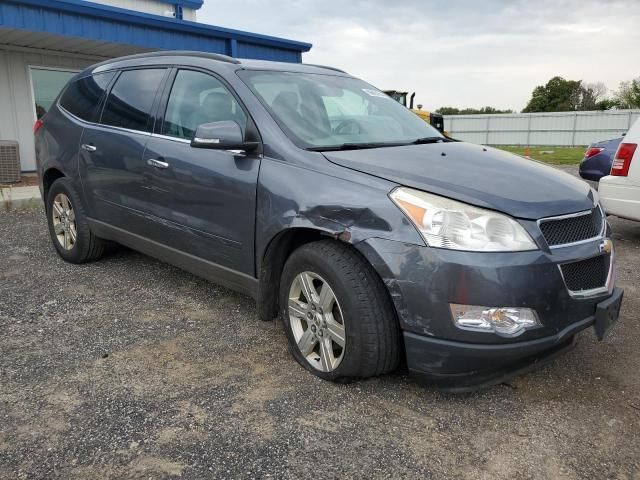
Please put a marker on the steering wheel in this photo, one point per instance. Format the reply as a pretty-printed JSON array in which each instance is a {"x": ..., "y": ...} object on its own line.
[{"x": 345, "y": 127}]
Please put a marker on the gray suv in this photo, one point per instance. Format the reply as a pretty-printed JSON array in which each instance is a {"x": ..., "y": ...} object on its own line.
[{"x": 376, "y": 239}]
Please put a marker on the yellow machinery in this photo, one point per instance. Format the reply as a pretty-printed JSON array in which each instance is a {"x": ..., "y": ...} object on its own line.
[{"x": 434, "y": 119}]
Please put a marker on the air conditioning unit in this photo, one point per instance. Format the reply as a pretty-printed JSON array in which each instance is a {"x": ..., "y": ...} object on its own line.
[{"x": 9, "y": 161}]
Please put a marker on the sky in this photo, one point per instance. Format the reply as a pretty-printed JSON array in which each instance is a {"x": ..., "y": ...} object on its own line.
[{"x": 459, "y": 53}]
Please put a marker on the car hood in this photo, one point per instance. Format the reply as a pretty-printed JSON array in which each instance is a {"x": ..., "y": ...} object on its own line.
[{"x": 481, "y": 176}]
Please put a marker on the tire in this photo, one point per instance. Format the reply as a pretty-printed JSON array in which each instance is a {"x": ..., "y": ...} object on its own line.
[
  {"x": 361, "y": 306},
  {"x": 85, "y": 247}
]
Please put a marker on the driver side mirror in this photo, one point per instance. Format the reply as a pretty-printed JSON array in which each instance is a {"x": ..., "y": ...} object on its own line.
[{"x": 225, "y": 135}]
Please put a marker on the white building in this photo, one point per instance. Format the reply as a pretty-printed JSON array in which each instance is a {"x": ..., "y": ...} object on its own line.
[{"x": 44, "y": 42}]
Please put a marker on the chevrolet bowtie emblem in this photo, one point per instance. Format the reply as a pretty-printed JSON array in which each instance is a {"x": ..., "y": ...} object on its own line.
[{"x": 606, "y": 246}]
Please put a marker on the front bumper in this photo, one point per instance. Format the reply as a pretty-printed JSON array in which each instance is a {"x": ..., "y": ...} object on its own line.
[
  {"x": 445, "y": 357},
  {"x": 424, "y": 281},
  {"x": 459, "y": 366},
  {"x": 472, "y": 380}
]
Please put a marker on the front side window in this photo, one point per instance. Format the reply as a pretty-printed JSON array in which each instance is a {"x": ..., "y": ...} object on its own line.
[
  {"x": 131, "y": 98},
  {"x": 197, "y": 98},
  {"x": 82, "y": 97},
  {"x": 326, "y": 111}
]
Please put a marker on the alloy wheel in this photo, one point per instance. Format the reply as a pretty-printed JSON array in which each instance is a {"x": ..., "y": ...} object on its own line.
[
  {"x": 316, "y": 321},
  {"x": 64, "y": 221}
]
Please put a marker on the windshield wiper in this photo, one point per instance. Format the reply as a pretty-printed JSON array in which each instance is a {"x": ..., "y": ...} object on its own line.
[
  {"x": 425, "y": 140},
  {"x": 353, "y": 146},
  {"x": 361, "y": 146}
]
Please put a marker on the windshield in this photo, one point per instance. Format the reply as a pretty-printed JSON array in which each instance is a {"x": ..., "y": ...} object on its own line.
[{"x": 328, "y": 111}]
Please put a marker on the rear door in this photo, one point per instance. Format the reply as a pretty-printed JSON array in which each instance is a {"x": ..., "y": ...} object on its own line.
[
  {"x": 111, "y": 165},
  {"x": 77, "y": 108},
  {"x": 204, "y": 199}
]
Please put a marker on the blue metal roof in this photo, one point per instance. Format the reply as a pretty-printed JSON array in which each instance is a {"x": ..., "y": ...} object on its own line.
[
  {"x": 195, "y": 4},
  {"x": 87, "y": 20}
]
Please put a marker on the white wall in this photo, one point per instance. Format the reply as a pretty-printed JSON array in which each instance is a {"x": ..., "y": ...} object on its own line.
[
  {"x": 556, "y": 128},
  {"x": 149, "y": 6},
  {"x": 17, "y": 114}
]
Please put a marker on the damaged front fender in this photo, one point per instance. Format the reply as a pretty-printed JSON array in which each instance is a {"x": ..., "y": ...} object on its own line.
[
  {"x": 351, "y": 207},
  {"x": 297, "y": 204}
]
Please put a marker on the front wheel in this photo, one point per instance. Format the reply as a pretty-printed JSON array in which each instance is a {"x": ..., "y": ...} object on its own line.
[{"x": 337, "y": 315}]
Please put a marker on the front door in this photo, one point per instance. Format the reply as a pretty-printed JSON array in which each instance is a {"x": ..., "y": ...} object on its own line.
[
  {"x": 111, "y": 164},
  {"x": 204, "y": 199}
]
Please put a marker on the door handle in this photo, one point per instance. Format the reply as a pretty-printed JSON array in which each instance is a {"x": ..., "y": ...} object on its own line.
[
  {"x": 88, "y": 148},
  {"x": 157, "y": 163}
]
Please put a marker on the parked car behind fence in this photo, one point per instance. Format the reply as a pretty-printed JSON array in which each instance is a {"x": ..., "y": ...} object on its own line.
[{"x": 598, "y": 159}]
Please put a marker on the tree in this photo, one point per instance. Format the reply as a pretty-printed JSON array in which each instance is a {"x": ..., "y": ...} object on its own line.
[
  {"x": 606, "y": 104},
  {"x": 448, "y": 111},
  {"x": 558, "y": 95},
  {"x": 628, "y": 94},
  {"x": 470, "y": 111},
  {"x": 593, "y": 96}
]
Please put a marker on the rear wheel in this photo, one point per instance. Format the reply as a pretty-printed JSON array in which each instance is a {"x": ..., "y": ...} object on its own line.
[
  {"x": 70, "y": 233},
  {"x": 64, "y": 221},
  {"x": 336, "y": 312}
]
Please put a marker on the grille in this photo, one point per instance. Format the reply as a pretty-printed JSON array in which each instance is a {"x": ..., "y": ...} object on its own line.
[
  {"x": 559, "y": 231},
  {"x": 586, "y": 274},
  {"x": 9, "y": 162}
]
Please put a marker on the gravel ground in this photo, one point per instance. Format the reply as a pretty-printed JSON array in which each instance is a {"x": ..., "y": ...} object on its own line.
[{"x": 130, "y": 368}]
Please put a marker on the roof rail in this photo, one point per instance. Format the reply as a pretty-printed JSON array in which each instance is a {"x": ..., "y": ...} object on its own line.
[
  {"x": 166, "y": 53},
  {"x": 324, "y": 66}
]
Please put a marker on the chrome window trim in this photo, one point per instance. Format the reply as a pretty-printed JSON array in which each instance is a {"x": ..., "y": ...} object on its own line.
[
  {"x": 122, "y": 129},
  {"x": 74, "y": 117},
  {"x": 593, "y": 292},
  {"x": 600, "y": 235},
  {"x": 169, "y": 137},
  {"x": 101, "y": 125}
]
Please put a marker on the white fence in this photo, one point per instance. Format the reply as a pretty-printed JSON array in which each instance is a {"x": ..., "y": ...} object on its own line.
[{"x": 557, "y": 128}]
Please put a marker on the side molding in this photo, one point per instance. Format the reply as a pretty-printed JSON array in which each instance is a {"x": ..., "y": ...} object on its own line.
[{"x": 213, "y": 272}]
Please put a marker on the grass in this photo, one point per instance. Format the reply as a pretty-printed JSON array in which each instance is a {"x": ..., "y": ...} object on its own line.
[{"x": 551, "y": 155}]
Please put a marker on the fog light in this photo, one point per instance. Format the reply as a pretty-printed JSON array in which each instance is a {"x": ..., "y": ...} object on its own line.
[{"x": 504, "y": 321}]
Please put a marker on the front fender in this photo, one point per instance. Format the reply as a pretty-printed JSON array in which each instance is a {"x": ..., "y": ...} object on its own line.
[{"x": 348, "y": 205}]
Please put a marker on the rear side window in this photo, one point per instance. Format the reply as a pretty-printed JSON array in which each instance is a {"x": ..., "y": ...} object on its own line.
[
  {"x": 82, "y": 97},
  {"x": 131, "y": 98}
]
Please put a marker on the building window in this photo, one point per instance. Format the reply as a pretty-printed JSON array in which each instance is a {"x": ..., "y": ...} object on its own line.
[{"x": 47, "y": 84}]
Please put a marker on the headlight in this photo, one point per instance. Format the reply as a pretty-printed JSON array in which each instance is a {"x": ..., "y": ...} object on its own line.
[
  {"x": 506, "y": 322},
  {"x": 446, "y": 223}
]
